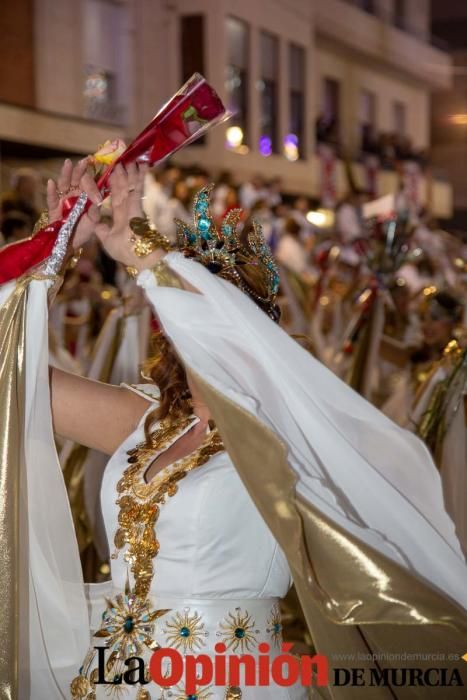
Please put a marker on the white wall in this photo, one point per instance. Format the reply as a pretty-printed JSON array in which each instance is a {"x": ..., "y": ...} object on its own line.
[{"x": 58, "y": 56}]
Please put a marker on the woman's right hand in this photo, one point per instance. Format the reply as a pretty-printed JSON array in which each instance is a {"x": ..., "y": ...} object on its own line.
[{"x": 126, "y": 191}]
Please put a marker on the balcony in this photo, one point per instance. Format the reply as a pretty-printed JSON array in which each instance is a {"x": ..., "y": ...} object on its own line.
[
  {"x": 60, "y": 132},
  {"x": 370, "y": 36}
]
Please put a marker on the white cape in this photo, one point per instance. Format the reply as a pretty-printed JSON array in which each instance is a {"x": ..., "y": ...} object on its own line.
[{"x": 374, "y": 479}]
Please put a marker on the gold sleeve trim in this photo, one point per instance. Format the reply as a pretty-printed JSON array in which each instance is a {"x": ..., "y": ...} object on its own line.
[{"x": 165, "y": 276}]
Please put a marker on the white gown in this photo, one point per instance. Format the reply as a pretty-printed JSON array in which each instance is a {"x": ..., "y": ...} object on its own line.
[{"x": 217, "y": 562}]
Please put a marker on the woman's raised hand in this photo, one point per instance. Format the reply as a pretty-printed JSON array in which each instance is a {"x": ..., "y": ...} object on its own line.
[
  {"x": 68, "y": 185},
  {"x": 126, "y": 191}
]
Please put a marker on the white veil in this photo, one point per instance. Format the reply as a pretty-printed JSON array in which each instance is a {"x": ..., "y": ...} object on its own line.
[{"x": 373, "y": 479}]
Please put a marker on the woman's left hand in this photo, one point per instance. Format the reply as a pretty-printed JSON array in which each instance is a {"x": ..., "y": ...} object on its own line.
[
  {"x": 68, "y": 185},
  {"x": 126, "y": 190}
]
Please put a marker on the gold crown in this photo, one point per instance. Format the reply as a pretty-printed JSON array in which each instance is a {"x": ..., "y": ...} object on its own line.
[{"x": 223, "y": 253}]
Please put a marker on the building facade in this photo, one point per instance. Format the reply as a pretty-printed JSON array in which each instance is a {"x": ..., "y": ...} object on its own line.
[
  {"x": 81, "y": 71},
  {"x": 449, "y": 108}
]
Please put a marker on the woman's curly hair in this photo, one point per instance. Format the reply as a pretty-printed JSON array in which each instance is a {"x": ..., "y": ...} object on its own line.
[{"x": 168, "y": 373}]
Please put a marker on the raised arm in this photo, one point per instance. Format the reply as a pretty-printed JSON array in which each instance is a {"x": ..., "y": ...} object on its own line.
[
  {"x": 86, "y": 411},
  {"x": 92, "y": 413}
]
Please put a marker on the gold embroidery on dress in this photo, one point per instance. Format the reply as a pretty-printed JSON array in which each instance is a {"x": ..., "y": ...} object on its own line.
[
  {"x": 185, "y": 631},
  {"x": 139, "y": 502},
  {"x": 143, "y": 694},
  {"x": 275, "y": 626},
  {"x": 201, "y": 693},
  {"x": 128, "y": 622},
  {"x": 237, "y": 631}
]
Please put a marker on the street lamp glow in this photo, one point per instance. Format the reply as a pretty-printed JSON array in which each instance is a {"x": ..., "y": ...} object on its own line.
[
  {"x": 234, "y": 136},
  {"x": 458, "y": 119},
  {"x": 291, "y": 147}
]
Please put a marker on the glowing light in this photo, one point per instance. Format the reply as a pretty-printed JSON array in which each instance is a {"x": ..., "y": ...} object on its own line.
[
  {"x": 334, "y": 253},
  {"x": 322, "y": 218},
  {"x": 234, "y": 136},
  {"x": 316, "y": 218},
  {"x": 428, "y": 291},
  {"x": 291, "y": 147},
  {"x": 458, "y": 119},
  {"x": 265, "y": 145}
]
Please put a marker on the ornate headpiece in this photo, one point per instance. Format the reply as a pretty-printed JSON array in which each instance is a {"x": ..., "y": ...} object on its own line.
[{"x": 223, "y": 253}]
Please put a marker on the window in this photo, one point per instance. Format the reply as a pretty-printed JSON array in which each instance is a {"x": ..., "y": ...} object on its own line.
[
  {"x": 367, "y": 120},
  {"x": 192, "y": 45},
  {"x": 192, "y": 51},
  {"x": 268, "y": 86},
  {"x": 400, "y": 118},
  {"x": 400, "y": 14},
  {"x": 106, "y": 60},
  {"x": 294, "y": 139},
  {"x": 236, "y": 83},
  {"x": 327, "y": 128}
]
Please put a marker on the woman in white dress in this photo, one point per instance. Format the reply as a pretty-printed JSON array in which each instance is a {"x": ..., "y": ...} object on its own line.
[
  {"x": 370, "y": 547},
  {"x": 192, "y": 561}
]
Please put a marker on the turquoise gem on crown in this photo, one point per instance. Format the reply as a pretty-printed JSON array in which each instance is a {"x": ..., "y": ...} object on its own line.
[
  {"x": 202, "y": 205},
  {"x": 204, "y": 227},
  {"x": 190, "y": 236}
]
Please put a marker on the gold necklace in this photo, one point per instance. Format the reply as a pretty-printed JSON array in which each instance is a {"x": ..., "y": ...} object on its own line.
[{"x": 140, "y": 502}]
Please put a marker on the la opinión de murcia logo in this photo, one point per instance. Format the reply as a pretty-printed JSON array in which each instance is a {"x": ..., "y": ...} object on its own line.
[
  {"x": 201, "y": 669},
  {"x": 167, "y": 668}
]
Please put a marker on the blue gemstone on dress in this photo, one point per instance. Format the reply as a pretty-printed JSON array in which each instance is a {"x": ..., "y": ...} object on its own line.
[
  {"x": 129, "y": 625},
  {"x": 184, "y": 632},
  {"x": 227, "y": 228},
  {"x": 239, "y": 632},
  {"x": 191, "y": 697},
  {"x": 277, "y": 628}
]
